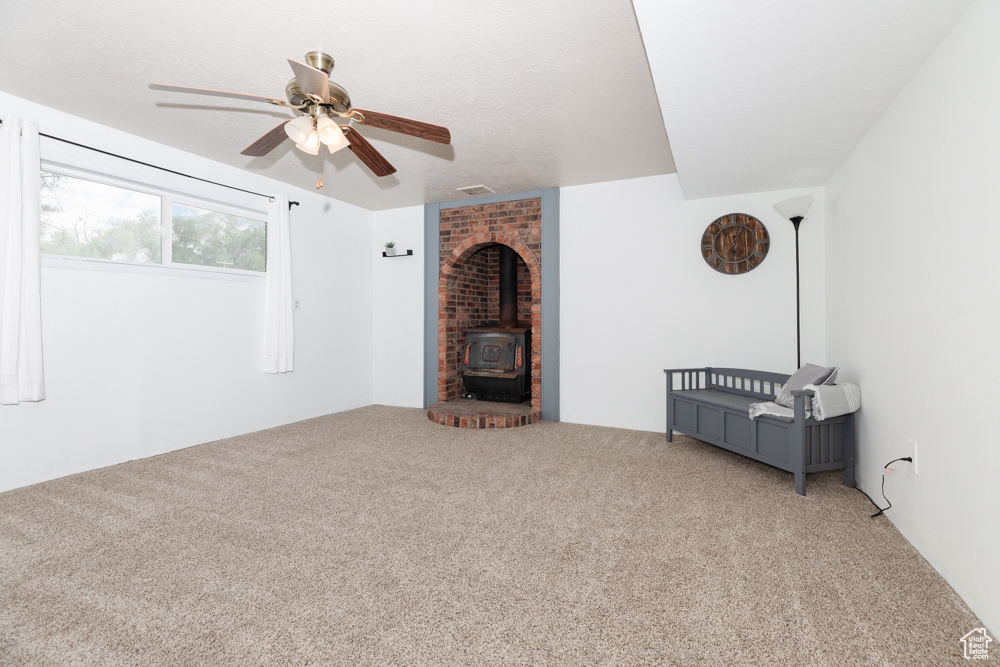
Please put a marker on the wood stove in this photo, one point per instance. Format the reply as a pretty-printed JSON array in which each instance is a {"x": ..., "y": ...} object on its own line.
[
  {"x": 496, "y": 359},
  {"x": 495, "y": 363}
]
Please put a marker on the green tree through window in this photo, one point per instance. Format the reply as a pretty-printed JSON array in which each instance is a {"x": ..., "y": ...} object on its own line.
[
  {"x": 210, "y": 238},
  {"x": 81, "y": 218}
]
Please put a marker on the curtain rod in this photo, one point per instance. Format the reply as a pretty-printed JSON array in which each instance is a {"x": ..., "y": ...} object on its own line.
[
  {"x": 146, "y": 164},
  {"x": 179, "y": 173}
]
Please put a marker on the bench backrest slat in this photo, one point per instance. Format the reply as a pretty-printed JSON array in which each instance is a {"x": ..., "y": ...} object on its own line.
[{"x": 759, "y": 384}]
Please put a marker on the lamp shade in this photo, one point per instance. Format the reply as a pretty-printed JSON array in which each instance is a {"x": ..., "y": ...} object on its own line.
[
  {"x": 310, "y": 145},
  {"x": 312, "y": 150},
  {"x": 298, "y": 130},
  {"x": 330, "y": 134},
  {"x": 796, "y": 207}
]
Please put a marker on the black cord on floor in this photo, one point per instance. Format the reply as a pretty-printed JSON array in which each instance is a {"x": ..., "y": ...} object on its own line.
[
  {"x": 880, "y": 510},
  {"x": 870, "y": 500}
]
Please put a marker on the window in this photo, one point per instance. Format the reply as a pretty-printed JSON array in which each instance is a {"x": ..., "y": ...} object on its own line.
[
  {"x": 82, "y": 217},
  {"x": 211, "y": 238}
]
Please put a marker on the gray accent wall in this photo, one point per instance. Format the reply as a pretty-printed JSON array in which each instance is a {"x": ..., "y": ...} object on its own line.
[
  {"x": 432, "y": 260},
  {"x": 550, "y": 292},
  {"x": 550, "y": 304}
]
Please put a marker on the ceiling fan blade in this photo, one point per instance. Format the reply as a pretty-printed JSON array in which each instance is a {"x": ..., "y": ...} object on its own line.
[
  {"x": 367, "y": 154},
  {"x": 312, "y": 81},
  {"x": 414, "y": 128},
  {"x": 266, "y": 143},
  {"x": 216, "y": 93}
]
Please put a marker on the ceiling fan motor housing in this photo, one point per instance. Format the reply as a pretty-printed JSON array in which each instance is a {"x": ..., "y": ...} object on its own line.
[{"x": 338, "y": 98}]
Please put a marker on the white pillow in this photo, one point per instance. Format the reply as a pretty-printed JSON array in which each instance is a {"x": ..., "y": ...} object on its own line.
[{"x": 808, "y": 374}]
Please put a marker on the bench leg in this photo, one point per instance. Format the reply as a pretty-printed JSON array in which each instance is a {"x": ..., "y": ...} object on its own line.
[
  {"x": 849, "y": 480},
  {"x": 797, "y": 446},
  {"x": 670, "y": 417}
]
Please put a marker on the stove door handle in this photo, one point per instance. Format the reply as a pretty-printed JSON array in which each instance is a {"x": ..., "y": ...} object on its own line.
[
  {"x": 467, "y": 354},
  {"x": 517, "y": 358}
]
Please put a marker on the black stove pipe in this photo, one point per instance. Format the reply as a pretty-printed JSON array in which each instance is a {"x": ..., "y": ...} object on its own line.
[{"x": 508, "y": 287}]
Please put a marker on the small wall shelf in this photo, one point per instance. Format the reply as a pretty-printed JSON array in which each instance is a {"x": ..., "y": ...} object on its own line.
[{"x": 399, "y": 254}]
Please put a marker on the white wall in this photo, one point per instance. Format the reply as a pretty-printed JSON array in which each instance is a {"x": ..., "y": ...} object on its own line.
[
  {"x": 913, "y": 314},
  {"x": 140, "y": 362},
  {"x": 398, "y": 318},
  {"x": 637, "y": 297}
]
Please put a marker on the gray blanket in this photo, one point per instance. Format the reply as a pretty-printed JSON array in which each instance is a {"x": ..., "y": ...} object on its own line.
[{"x": 828, "y": 401}]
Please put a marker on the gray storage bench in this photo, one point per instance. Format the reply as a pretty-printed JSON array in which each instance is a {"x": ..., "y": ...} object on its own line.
[{"x": 712, "y": 404}]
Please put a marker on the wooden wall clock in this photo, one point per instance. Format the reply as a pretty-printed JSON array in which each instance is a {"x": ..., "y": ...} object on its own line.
[{"x": 735, "y": 243}]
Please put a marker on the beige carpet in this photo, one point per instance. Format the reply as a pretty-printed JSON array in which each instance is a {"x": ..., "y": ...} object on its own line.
[{"x": 374, "y": 537}]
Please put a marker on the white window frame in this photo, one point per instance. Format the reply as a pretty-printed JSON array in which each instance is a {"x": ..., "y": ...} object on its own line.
[{"x": 78, "y": 162}]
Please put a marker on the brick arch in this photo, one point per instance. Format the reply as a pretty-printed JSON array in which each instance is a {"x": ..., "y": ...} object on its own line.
[
  {"x": 471, "y": 245},
  {"x": 450, "y": 330}
]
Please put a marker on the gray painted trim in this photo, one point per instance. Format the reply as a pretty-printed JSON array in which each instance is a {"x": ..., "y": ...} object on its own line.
[
  {"x": 432, "y": 262},
  {"x": 495, "y": 199},
  {"x": 550, "y": 304},
  {"x": 550, "y": 292}
]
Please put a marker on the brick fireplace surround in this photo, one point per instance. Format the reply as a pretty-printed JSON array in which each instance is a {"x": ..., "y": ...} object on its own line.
[{"x": 468, "y": 297}]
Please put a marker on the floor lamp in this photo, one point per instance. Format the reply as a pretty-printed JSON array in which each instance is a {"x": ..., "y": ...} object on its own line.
[{"x": 795, "y": 210}]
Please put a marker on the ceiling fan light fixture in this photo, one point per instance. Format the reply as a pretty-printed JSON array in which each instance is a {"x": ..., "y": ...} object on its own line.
[
  {"x": 314, "y": 150},
  {"x": 299, "y": 129},
  {"x": 323, "y": 124},
  {"x": 310, "y": 145},
  {"x": 330, "y": 134},
  {"x": 312, "y": 141}
]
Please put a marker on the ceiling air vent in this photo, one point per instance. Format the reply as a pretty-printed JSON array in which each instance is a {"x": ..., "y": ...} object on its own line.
[{"x": 477, "y": 191}]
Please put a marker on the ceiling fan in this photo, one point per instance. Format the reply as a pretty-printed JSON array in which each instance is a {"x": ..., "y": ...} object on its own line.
[{"x": 319, "y": 100}]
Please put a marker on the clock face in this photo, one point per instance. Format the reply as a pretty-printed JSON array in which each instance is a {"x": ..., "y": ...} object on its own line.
[{"x": 735, "y": 243}]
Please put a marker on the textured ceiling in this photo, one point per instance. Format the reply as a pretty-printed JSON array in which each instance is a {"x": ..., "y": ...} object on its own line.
[
  {"x": 755, "y": 96},
  {"x": 775, "y": 94},
  {"x": 536, "y": 94}
]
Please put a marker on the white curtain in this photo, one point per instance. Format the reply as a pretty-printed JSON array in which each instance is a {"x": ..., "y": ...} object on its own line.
[
  {"x": 21, "y": 377},
  {"x": 279, "y": 341}
]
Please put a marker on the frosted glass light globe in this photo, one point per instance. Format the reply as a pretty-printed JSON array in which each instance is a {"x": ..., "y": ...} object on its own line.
[
  {"x": 298, "y": 130},
  {"x": 310, "y": 145},
  {"x": 331, "y": 134}
]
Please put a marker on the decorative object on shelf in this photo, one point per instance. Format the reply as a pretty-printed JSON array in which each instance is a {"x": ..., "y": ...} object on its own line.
[
  {"x": 319, "y": 103},
  {"x": 735, "y": 243},
  {"x": 390, "y": 248},
  {"x": 794, "y": 210}
]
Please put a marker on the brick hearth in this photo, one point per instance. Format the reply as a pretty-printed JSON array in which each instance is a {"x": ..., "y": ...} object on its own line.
[{"x": 466, "y": 413}]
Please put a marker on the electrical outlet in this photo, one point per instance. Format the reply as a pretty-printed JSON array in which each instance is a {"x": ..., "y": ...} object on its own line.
[
  {"x": 913, "y": 455},
  {"x": 296, "y": 304}
]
